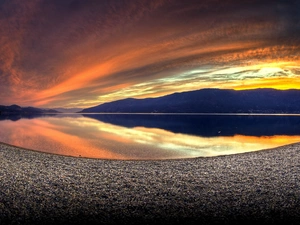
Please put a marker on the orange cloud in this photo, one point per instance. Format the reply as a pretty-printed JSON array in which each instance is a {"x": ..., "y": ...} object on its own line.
[
  {"x": 77, "y": 80},
  {"x": 281, "y": 83},
  {"x": 55, "y": 53}
]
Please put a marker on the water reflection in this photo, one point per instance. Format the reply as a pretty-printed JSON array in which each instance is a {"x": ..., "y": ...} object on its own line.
[
  {"x": 149, "y": 136},
  {"x": 208, "y": 125}
]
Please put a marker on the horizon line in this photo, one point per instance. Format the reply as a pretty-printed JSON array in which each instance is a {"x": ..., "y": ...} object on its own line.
[{"x": 231, "y": 89}]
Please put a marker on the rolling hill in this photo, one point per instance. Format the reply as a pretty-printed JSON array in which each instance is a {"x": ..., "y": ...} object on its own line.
[
  {"x": 17, "y": 110},
  {"x": 209, "y": 101}
]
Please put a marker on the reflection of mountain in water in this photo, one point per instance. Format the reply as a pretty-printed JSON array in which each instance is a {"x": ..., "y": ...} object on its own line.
[
  {"x": 16, "y": 117},
  {"x": 208, "y": 125}
]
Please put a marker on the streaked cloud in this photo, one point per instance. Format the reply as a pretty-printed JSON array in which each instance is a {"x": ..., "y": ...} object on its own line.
[{"x": 83, "y": 52}]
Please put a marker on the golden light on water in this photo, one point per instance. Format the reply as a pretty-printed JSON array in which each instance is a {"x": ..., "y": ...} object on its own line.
[{"x": 90, "y": 138}]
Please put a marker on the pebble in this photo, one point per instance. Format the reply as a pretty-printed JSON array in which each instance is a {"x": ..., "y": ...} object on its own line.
[{"x": 258, "y": 187}]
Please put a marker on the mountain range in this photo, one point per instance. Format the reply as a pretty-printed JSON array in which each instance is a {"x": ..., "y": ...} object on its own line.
[
  {"x": 199, "y": 101},
  {"x": 209, "y": 101},
  {"x": 18, "y": 110},
  {"x": 67, "y": 110}
]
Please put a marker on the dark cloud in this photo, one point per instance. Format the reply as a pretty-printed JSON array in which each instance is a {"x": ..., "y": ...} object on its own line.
[{"x": 66, "y": 51}]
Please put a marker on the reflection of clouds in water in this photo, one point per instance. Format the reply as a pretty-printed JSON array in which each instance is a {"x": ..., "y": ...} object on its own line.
[
  {"x": 39, "y": 134},
  {"x": 90, "y": 138},
  {"x": 182, "y": 144}
]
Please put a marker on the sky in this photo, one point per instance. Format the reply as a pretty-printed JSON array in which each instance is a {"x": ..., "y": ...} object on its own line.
[{"x": 81, "y": 53}]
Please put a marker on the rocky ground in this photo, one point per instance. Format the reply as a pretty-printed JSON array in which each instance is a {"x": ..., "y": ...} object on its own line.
[{"x": 254, "y": 188}]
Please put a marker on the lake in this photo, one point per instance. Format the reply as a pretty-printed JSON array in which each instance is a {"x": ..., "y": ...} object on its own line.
[{"x": 149, "y": 136}]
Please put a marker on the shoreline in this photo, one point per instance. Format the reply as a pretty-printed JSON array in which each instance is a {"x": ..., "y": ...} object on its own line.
[{"x": 254, "y": 187}]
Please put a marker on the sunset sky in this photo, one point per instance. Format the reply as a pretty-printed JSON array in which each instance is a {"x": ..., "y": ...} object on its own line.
[{"x": 81, "y": 53}]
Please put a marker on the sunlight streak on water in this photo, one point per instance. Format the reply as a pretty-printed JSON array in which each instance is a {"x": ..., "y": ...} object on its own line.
[{"x": 86, "y": 137}]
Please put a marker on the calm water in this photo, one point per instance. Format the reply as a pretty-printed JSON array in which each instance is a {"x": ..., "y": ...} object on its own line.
[{"x": 124, "y": 136}]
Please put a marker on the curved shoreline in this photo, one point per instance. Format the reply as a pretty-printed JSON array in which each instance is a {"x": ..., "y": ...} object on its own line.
[{"x": 254, "y": 187}]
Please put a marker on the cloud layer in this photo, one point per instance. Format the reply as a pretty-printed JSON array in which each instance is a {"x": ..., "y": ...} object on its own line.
[{"x": 83, "y": 52}]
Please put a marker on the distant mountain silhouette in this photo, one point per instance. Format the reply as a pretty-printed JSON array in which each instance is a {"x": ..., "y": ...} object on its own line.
[
  {"x": 64, "y": 110},
  {"x": 68, "y": 110},
  {"x": 17, "y": 110},
  {"x": 209, "y": 101}
]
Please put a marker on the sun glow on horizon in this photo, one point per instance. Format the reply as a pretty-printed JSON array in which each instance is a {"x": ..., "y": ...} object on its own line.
[
  {"x": 275, "y": 75},
  {"x": 93, "y": 55}
]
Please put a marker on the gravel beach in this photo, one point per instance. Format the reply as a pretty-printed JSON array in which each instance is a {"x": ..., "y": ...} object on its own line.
[{"x": 256, "y": 188}]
